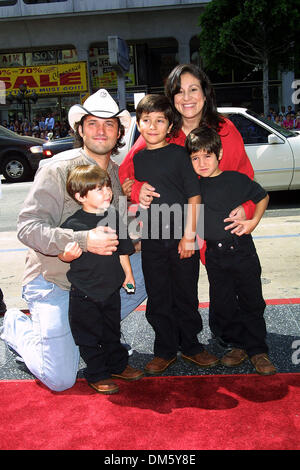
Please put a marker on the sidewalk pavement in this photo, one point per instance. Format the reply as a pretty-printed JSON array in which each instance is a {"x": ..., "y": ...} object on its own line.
[{"x": 277, "y": 240}]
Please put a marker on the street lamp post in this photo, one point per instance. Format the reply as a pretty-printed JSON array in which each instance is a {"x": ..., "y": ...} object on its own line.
[{"x": 21, "y": 98}]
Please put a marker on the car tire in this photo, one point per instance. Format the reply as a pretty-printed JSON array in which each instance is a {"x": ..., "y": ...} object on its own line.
[{"x": 15, "y": 168}]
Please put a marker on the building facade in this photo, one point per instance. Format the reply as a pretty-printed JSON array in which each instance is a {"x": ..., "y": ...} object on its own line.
[{"x": 53, "y": 53}]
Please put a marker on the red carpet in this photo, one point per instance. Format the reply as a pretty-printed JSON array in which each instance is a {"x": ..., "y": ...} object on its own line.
[{"x": 233, "y": 412}]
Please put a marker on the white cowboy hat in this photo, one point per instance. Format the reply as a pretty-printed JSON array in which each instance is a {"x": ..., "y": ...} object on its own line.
[{"x": 101, "y": 105}]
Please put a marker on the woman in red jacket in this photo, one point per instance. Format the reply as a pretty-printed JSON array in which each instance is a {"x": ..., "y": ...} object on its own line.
[{"x": 190, "y": 91}]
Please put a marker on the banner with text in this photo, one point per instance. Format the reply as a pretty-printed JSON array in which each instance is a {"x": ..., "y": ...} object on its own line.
[{"x": 46, "y": 79}]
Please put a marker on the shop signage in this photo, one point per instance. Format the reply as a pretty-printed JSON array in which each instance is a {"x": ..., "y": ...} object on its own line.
[
  {"x": 46, "y": 79},
  {"x": 11, "y": 60},
  {"x": 102, "y": 73}
]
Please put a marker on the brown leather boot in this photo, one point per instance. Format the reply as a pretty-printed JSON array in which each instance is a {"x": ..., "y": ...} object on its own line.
[
  {"x": 129, "y": 374},
  {"x": 105, "y": 386},
  {"x": 234, "y": 357},
  {"x": 202, "y": 359},
  {"x": 263, "y": 365},
  {"x": 158, "y": 365}
]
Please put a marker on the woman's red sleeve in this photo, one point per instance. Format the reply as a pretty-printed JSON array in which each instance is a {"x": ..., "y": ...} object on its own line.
[
  {"x": 126, "y": 169},
  {"x": 235, "y": 158}
]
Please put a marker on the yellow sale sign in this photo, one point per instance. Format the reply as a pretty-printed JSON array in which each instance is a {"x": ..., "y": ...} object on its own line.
[{"x": 46, "y": 79}]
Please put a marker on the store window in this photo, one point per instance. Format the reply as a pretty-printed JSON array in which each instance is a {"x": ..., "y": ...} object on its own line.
[
  {"x": 162, "y": 58},
  {"x": 45, "y": 57},
  {"x": 66, "y": 56},
  {"x": 42, "y": 57},
  {"x": 155, "y": 58},
  {"x": 151, "y": 61},
  {"x": 13, "y": 59},
  {"x": 53, "y": 78},
  {"x": 102, "y": 73}
]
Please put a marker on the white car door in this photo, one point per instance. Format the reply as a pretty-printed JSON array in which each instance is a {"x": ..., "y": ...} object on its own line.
[{"x": 269, "y": 151}]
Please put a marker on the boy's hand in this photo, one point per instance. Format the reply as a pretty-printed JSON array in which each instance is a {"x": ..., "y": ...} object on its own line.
[
  {"x": 127, "y": 187},
  {"x": 186, "y": 248},
  {"x": 244, "y": 227},
  {"x": 72, "y": 251},
  {"x": 147, "y": 193},
  {"x": 129, "y": 279}
]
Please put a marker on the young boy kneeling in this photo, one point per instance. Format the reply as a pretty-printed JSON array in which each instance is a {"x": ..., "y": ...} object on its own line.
[{"x": 94, "y": 310}]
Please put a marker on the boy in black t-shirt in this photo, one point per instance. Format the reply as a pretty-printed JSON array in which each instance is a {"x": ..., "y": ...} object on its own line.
[
  {"x": 94, "y": 308},
  {"x": 170, "y": 264},
  {"x": 233, "y": 268}
]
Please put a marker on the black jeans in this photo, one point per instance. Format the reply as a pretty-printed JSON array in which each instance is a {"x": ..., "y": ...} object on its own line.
[
  {"x": 95, "y": 328},
  {"x": 172, "y": 306},
  {"x": 236, "y": 302}
]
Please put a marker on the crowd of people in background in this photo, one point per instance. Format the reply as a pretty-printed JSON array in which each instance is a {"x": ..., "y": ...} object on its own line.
[
  {"x": 47, "y": 128},
  {"x": 289, "y": 119},
  {"x": 50, "y": 128}
]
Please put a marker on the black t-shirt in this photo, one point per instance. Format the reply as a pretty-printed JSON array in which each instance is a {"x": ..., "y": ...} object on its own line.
[
  {"x": 169, "y": 170},
  {"x": 96, "y": 275},
  {"x": 220, "y": 194}
]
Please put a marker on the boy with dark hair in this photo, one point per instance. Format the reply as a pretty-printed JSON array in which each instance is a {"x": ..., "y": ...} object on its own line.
[
  {"x": 94, "y": 308},
  {"x": 232, "y": 264},
  {"x": 170, "y": 264}
]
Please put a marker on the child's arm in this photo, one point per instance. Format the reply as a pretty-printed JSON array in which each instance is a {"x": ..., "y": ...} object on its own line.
[
  {"x": 125, "y": 263},
  {"x": 186, "y": 246},
  {"x": 247, "y": 226},
  {"x": 72, "y": 251}
]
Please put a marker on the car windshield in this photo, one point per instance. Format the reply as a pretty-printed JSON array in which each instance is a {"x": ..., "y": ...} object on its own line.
[{"x": 281, "y": 130}]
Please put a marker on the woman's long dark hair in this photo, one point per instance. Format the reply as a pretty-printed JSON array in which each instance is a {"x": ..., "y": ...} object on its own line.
[
  {"x": 78, "y": 142},
  {"x": 210, "y": 115}
]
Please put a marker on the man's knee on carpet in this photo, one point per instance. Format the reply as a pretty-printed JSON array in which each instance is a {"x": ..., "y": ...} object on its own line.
[{"x": 58, "y": 383}]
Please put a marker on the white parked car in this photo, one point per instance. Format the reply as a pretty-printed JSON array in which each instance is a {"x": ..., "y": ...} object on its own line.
[{"x": 274, "y": 151}]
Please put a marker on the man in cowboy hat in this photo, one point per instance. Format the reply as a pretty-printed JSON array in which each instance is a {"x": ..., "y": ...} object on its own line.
[{"x": 44, "y": 339}]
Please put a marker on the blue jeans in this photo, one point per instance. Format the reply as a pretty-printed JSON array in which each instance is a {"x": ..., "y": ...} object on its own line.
[{"x": 44, "y": 339}]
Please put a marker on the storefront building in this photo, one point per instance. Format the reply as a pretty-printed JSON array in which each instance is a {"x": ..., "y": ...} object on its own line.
[
  {"x": 49, "y": 88},
  {"x": 55, "y": 53}
]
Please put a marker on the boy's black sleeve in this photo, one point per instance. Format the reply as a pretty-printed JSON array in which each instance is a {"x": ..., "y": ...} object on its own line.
[
  {"x": 190, "y": 178},
  {"x": 125, "y": 246},
  {"x": 251, "y": 190}
]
